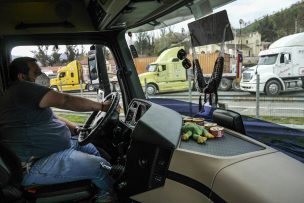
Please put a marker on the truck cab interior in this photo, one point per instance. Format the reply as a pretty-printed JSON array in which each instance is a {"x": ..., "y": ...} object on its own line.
[{"x": 149, "y": 161}]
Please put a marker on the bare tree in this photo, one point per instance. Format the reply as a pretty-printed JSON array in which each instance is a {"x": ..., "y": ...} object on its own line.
[
  {"x": 42, "y": 55},
  {"x": 141, "y": 42},
  {"x": 55, "y": 57},
  {"x": 72, "y": 52}
]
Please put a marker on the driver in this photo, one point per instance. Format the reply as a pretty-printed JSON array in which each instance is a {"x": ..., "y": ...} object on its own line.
[{"x": 43, "y": 141}]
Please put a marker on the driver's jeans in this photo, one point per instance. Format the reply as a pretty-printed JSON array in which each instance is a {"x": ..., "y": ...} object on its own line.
[{"x": 73, "y": 164}]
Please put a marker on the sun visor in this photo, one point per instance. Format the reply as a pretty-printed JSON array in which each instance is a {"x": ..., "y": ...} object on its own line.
[{"x": 210, "y": 29}]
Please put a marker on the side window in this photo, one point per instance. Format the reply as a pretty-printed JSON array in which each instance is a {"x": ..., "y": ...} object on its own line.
[
  {"x": 285, "y": 58},
  {"x": 282, "y": 58},
  {"x": 161, "y": 68},
  {"x": 82, "y": 66},
  {"x": 288, "y": 56}
]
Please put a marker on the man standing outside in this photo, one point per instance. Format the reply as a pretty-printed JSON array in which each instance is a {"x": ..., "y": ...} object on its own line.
[{"x": 29, "y": 128}]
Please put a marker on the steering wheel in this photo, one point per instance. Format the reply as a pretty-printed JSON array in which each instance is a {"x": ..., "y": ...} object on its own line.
[{"x": 98, "y": 119}]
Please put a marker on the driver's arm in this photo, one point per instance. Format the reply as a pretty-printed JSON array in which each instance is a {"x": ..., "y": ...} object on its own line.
[
  {"x": 72, "y": 126},
  {"x": 73, "y": 103}
]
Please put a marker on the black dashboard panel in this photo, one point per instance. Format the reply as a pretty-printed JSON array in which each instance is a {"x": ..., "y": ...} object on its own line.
[
  {"x": 156, "y": 134},
  {"x": 154, "y": 124}
]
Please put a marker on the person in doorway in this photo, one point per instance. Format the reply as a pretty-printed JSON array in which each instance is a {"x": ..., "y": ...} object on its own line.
[{"x": 29, "y": 127}]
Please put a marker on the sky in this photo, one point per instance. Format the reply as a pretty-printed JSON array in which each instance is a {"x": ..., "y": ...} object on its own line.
[{"x": 247, "y": 10}]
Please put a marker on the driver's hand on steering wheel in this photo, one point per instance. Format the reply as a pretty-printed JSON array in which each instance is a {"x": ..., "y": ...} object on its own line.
[{"x": 105, "y": 105}]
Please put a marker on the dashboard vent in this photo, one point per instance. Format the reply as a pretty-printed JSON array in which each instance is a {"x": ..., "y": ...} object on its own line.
[{"x": 96, "y": 13}]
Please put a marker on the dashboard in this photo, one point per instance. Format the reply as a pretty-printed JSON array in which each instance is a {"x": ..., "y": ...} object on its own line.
[{"x": 136, "y": 110}]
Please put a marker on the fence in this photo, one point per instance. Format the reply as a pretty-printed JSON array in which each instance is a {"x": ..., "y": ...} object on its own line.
[
  {"x": 206, "y": 61},
  {"x": 141, "y": 63}
]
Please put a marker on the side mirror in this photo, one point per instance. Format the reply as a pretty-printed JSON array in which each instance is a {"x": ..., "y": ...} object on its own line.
[{"x": 286, "y": 60}]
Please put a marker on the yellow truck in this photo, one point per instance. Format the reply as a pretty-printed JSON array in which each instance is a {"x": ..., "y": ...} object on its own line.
[
  {"x": 166, "y": 74},
  {"x": 69, "y": 78}
]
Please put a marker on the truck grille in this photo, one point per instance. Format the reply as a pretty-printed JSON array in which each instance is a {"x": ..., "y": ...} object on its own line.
[{"x": 246, "y": 76}]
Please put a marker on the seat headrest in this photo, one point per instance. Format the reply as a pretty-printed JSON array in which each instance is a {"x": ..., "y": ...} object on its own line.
[{"x": 4, "y": 173}]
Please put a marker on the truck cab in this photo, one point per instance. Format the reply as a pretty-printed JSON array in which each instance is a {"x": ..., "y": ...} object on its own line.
[
  {"x": 280, "y": 67},
  {"x": 166, "y": 74},
  {"x": 69, "y": 78}
]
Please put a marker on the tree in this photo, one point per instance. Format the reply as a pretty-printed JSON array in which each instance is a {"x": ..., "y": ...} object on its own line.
[
  {"x": 55, "y": 57},
  {"x": 170, "y": 39},
  {"x": 148, "y": 44},
  {"x": 72, "y": 52},
  {"x": 267, "y": 29},
  {"x": 42, "y": 55},
  {"x": 141, "y": 43}
]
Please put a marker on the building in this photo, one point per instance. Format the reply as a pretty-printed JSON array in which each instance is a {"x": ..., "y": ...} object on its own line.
[{"x": 250, "y": 44}]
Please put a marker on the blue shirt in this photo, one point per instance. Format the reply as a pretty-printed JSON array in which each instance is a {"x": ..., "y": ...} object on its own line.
[{"x": 27, "y": 129}]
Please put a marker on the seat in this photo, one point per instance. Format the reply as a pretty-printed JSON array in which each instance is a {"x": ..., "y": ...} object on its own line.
[
  {"x": 229, "y": 119},
  {"x": 11, "y": 190}
]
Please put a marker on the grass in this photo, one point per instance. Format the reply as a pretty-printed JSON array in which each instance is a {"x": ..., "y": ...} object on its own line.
[
  {"x": 282, "y": 120},
  {"x": 74, "y": 118}
]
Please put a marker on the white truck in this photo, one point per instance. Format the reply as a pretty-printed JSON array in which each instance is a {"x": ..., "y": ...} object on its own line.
[{"x": 281, "y": 67}]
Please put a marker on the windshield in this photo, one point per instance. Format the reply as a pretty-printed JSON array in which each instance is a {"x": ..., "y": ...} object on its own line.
[
  {"x": 176, "y": 87},
  {"x": 152, "y": 67},
  {"x": 268, "y": 59}
]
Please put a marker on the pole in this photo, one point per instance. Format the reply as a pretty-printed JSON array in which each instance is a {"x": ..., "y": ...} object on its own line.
[
  {"x": 146, "y": 94},
  {"x": 190, "y": 91},
  {"x": 235, "y": 44},
  {"x": 241, "y": 21},
  {"x": 257, "y": 95},
  {"x": 60, "y": 86},
  {"x": 81, "y": 88},
  {"x": 241, "y": 37}
]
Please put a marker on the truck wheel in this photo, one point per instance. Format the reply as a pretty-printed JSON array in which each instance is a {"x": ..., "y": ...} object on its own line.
[
  {"x": 273, "y": 88},
  {"x": 151, "y": 89},
  {"x": 236, "y": 85},
  {"x": 90, "y": 88},
  {"x": 225, "y": 84},
  {"x": 55, "y": 88}
]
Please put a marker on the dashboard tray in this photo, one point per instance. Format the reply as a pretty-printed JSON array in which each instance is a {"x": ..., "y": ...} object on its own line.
[{"x": 228, "y": 145}]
